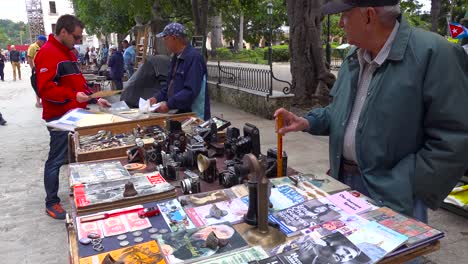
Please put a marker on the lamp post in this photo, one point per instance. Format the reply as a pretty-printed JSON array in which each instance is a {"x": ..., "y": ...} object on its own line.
[
  {"x": 270, "y": 59},
  {"x": 328, "y": 48}
]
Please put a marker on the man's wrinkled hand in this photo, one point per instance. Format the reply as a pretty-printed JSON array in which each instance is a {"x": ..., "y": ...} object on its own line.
[
  {"x": 152, "y": 101},
  {"x": 163, "y": 108},
  {"x": 82, "y": 97},
  {"x": 103, "y": 103},
  {"x": 291, "y": 122}
]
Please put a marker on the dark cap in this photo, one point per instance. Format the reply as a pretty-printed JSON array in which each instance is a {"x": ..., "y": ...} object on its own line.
[
  {"x": 338, "y": 6},
  {"x": 173, "y": 29}
]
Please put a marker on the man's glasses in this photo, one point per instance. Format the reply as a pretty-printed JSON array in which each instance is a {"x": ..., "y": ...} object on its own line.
[{"x": 77, "y": 37}]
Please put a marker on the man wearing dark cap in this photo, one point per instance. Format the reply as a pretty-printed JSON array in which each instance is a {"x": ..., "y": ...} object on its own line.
[
  {"x": 185, "y": 89},
  {"x": 397, "y": 125},
  {"x": 32, "y": 50}
]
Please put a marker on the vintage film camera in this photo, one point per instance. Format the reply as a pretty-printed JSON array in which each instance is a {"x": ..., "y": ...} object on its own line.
[
  {"x": 237, "y": 146},
  {"x": 191, "y": 183},
  {"x": 272, "y": 163},
  {"x": 234, "y": 174},
  {"x": 207, "y": 168},
  {"x": 176, "y": 136},
  {"x": 169, "y": 168}
]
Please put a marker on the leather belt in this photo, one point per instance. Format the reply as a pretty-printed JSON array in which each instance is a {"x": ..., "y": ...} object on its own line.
[{"x": 350, "y": 167}]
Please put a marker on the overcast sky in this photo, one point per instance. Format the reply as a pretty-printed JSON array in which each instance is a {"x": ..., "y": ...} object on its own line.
[{"x": 16, "y": 9}]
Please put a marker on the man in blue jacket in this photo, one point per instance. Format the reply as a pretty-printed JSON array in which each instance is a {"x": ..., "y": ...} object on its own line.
[
  {"x": 397, "y": 126},
  {"x": 186, "y": 88},
  {"x": 116, "y": 64}
]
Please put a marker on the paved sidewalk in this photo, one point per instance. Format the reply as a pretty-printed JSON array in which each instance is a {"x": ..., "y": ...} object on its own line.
[{"x": 27, "y": 235}]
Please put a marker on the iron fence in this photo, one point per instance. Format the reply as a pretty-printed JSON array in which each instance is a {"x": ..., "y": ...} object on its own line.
[{"x": 242, "y": 77}]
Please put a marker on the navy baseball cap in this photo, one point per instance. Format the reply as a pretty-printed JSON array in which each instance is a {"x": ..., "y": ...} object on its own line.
[
  {"x": 42, "y": 37},
  {"x": 172, "y": 29},
  {"x": 338, "y": 6}
]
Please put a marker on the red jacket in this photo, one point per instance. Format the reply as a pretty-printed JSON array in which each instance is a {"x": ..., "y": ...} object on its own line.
[{"x": 59, "y": 79}]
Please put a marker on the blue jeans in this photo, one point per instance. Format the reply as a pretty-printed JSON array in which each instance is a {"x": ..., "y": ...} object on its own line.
[
  {"x": 130, "y": 70},
  {"x": 356, "y": 183},
  {"x": 57, "y": 152}
]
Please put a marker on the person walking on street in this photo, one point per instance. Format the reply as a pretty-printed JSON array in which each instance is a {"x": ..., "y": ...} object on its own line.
[
  {"x": 129, "y": 57},
  {"x": 62, "y": 88},
  {"x": 15, "y": 57},
  {"x": 116, "y": 64},
  {"x": 2, "y": 121},
  {"x": 32, "y": 51},
  {"x": 2, "y": 65}
]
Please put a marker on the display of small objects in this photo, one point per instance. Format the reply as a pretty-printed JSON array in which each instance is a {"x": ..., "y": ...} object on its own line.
[{"x": 104, "y": 139}]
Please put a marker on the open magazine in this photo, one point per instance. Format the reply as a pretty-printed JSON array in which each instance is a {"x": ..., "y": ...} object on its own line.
[{"x": 79, "y": 117}]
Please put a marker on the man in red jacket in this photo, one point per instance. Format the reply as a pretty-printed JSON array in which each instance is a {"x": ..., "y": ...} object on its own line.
[{"x": 61, "y": 87}]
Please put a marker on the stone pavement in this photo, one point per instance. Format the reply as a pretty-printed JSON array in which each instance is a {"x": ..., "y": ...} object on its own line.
[{"x": 27, "y": 235}]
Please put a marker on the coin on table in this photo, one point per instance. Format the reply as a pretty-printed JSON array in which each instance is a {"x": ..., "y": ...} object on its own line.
[
  {"x": 122, "y": 237},
  {"x": 85, "y": 241},
  {"x": 93, "y": 235},
  {"x": 152, "y": 230},
  {"x": 124, "y": 243},
  {"x": 163, "y": 231},
  {"x": 136, "y": 233},
  {"x": 138, "y": 239},
  {"x": 154, "y": 236}
]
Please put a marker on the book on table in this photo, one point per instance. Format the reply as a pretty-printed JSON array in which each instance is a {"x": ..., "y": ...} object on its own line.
[
  {"x": 144, "y": 253},
  {"x": 97, "y": 172},
  {"x": 308, "y": 214},
  {"x": 96, "y": 197},
  {"x": 334, "y": 248},
  {"x": 190, "y": 245}
]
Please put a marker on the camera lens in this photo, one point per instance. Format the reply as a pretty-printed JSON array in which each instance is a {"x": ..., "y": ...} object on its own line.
[{"x": 186, "y": 185}]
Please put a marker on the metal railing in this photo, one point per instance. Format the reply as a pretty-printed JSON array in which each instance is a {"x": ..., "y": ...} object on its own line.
[{"x": 255, "y": 79}]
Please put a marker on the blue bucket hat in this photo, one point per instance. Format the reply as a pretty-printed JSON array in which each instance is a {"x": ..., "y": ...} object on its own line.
[
  {"x": 42, "y": 37},
  {"x": 172, "y": 29}
]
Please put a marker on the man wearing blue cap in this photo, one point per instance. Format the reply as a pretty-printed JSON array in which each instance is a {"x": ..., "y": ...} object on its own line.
[
  {"x": 185, "y": 89},
  {"x": 32, "y": 50},
  {"x": 397, "y": 126}
]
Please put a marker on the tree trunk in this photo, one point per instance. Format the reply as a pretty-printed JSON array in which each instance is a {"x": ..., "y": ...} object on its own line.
[
  {"x": 310, "y": 79},
  {"x": 216, "y": 32},
  {"x": 240, "y": 43},
  {"x": 435, "y": 11}
]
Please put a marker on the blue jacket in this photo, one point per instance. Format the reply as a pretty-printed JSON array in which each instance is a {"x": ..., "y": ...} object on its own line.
[
  {"x": 190, "y": 88},
  {"x": 412, "y": 134},
  {"x": 116, "y": 64},
  {"x": 129, "y": 55}
]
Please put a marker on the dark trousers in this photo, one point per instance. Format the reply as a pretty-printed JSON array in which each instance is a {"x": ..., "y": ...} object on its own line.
[
  {"x": 118, "y": 84},
  {"x": 57, "y": 152},
  {"x": 34, "y": 81},
  {"x": 2, "y": 75},
  {"x": 351, "y": 176}
]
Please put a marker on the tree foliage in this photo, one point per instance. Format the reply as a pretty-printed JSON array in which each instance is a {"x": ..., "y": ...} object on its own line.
[
  {"x": 256, "y": 19},
  {"x": 10, "y": 33},
  {"x": 111, "y": 16}
]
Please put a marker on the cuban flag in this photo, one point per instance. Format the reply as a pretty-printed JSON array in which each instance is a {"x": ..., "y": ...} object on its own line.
[{"x": 458, "y": 31}]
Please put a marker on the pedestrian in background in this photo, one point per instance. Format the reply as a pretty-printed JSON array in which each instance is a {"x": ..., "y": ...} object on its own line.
[
  {"x": 15, "y": 58},
  {"x": 116, "y": 64},
  {"x": 2, "y": 65},
  {"x": 129, "y": 58},
  {"x": 32, "y": 50},
  {"x": 2, "y": 121}
]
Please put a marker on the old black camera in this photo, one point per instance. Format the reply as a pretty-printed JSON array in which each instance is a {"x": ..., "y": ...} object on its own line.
[
  {"x": 237, "y": 146},
  {"x": 272, "y": 163},
  {"x": 191, "y": 183}
]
